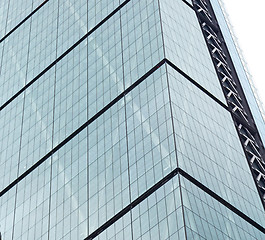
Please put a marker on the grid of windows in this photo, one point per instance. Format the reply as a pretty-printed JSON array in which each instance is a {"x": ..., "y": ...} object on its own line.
[{"x": 96, "y": 128}]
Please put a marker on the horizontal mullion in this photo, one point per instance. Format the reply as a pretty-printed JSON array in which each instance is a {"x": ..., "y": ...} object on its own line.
[
  {"x": 63, "y": 55},
  {"x": 82, "y": 127},
  {"x": 129, "y": 207},
  {"x": 24, "y": 20},
  {"x": 103, "y": 110},
  {"x": 197, "y": 84},
  {"x": 163, "y": 181}
]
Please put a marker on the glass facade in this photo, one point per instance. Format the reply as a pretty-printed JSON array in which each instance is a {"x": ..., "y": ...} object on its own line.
[{"x": 114, "y": 125}]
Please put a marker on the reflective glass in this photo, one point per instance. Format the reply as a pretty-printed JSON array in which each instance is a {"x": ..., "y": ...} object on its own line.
[
  {"x": 185, "y": 45},
  {"x": 68, "y": 217},
  {"x": 37, "y": 127},
  {"x": 7, "y": 210},
  {"x": 70, "y": 93},
  {"x": 31, "y": 216},
  {"x": 160, "y": 124},
  {"x": 14, "y": 63},
  {"x": 43, "y": 39},
  {"x": 24, "y": 211},
  {"x": 3, "y": 17},
  {"x": 29, "y": 49},
  {"x": 142, "y": 38},
  {"x": 208, "y": 147},
  {"x": 14, "y": 12},
  {"x": 158, "y": 217},
  {"x": 72, "y": 23},
  {"x": 10, "y": 134},
  {"x": 150, "y": 137},
  {"x": 121, "y": 229},
  {"x": 209, "y": 219},
  {"x": 27, "y": 130},
  {"x": 108, "y": 178}
]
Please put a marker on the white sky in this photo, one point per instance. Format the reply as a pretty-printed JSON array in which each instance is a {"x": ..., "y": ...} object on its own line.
[{"x": 248, "y": 19}]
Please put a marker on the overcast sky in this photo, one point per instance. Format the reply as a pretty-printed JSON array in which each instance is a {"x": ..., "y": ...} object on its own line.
[{"x": 248, "y": 19}]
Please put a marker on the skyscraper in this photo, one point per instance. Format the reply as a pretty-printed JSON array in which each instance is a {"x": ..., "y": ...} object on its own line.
[{"x": 127, "y": 119}]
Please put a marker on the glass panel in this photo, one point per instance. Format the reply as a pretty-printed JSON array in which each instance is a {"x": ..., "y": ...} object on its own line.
[
  {"x": 76, "y": 98},
  {"x": 31, "y": 219},
  {"x": 43, "y": 39},
  {"x": 16, "y": 12},
  {"x": 98, "y": 10},
  {"x": 158, "y": 217},
  {"x": 28, "y": 56},
  {"x": 27, "y": 135},
  {"x": 14, "y": 62},
  {"x": 70, "y": 110},
  {"x": 7, "y": 209},
  {"x": 69, "y": 191},
  {"x": 121, "y": 229},
  {"x": 209, "y": 148},
  {"x": 77, "y": 17},
  {"x": 3, "y": 17},
  {"x": 150, "y": 136},
  {"x": 142, "y": 38},
  {"x": 10, "y": 134},
  {"x": 12, "y": 12},
  {"x": 210, "y": 219},
  {"x": 37, "y": 130},
  {"x": 185, "y": 45},
  {"x": 72, "y": 23},
  {"x": 108, "y": 166}
]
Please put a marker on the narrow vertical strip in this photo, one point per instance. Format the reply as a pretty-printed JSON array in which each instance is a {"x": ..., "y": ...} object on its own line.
[{"x": 21, "y": 131}]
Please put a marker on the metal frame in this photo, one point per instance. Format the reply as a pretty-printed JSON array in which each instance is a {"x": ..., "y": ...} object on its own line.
[{"x": 233, "y": 91}]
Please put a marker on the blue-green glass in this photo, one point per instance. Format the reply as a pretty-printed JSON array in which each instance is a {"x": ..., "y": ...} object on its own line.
[
  {"x": 108, "y": 183},
  {"x": 208, "y": 147},
  {"x": 38, "y": 116},
  {"x": 10, "y": 128},
  {"x": 142, "y": 38},
  {"x": 25, "y": 208},
  {"x": 163, "y": 123},
  {"x": 3, "y": 17},
  {"x": 14, "y": 63},
  {"x": 158, "y": 217},
  {"x": 185, "y": 45},
  {"x": 150, "y": 136},
  {"x": 121, "y": 229},
  {"x": 7, "y": 210},
  {"x": 210, "y": 219},
  {"x": 12, "y": 13},
  {"x": 69, "y": 190}
]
